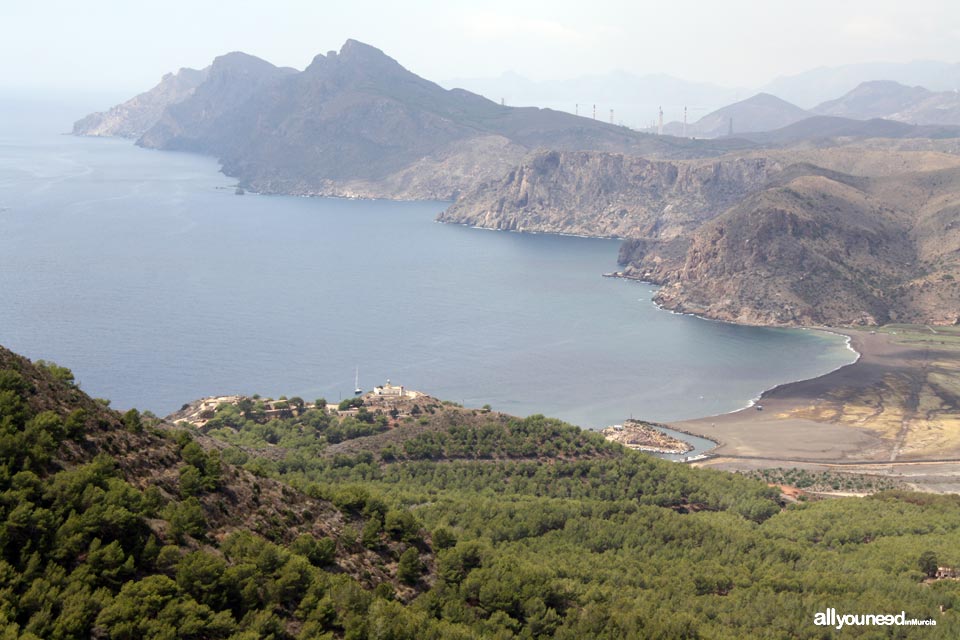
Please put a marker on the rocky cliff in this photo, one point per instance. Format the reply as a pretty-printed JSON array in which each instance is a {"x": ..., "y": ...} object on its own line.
[
  {"x": 818, "y": 248},
  {"x": 610, "y": 195},
  {"x": 135, "y": 116}
]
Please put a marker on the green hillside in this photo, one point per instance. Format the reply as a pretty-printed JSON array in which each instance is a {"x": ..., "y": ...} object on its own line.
[{"x": 447, "y": 523}]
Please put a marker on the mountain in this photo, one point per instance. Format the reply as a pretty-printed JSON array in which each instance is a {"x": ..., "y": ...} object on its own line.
[
  {"x": 356, "y": 123},
  {"x": 206, "y": 120},
  {"x": 609, "y": 195},
  {"x": 894, "y": 101},
  {"x": 762, "y": 112},
  {"x": 634, "y": 98},
  {"x": 816, "y": 86},
  {"x": 939, "y": 108},
  {"x": 135, "y": 116},
  {"x": 875, "y": 99},
  {"x": 819, "y": 247}
]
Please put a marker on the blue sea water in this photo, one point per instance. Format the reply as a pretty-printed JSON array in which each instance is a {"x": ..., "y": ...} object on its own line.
[{"x": 144, "y": 273}]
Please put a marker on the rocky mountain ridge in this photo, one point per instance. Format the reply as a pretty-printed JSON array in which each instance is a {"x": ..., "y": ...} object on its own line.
[{"x": 356, "y": 123}]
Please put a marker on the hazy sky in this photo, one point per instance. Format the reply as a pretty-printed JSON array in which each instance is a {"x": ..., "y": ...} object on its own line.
[{"x": 127, "y": 45}]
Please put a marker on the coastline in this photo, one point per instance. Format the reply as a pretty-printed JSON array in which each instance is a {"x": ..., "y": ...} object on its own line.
[{"x": 848, "y": 343}]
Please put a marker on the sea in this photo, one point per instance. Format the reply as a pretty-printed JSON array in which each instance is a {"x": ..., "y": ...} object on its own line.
[{"x": 144, "y": 273}]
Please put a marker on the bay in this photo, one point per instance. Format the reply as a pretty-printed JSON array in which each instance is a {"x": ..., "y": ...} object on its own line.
[{"x": 144, "y": 273}]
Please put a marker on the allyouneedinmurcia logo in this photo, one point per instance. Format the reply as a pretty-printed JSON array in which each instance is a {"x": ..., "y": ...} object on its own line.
[{"x": 830, "y": 618}]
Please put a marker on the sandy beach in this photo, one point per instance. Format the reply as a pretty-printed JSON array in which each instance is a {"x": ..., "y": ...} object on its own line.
[{"x": 893, "y": 410}]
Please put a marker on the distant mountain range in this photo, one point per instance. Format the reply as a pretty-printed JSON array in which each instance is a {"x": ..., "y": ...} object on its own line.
[
  {"x": 813, "y": 87},
  {"x": 356, "y": 123},
  {"x": 878, "y": 99}
]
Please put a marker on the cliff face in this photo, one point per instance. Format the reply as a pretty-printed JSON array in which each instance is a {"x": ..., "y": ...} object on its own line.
[
  {"x": 135, "y": 116},
  {"x": 206, "y": 120},
  {"x": 610, "y": 195},
  {"x": 816, "y": 250}
]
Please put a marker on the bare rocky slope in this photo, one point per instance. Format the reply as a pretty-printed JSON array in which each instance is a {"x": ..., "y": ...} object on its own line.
[
  {"x": 134, "y": 117},
  {"x": 818, "y": 247}
]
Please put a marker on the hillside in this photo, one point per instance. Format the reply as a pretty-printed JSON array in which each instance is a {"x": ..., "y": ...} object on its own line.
[
  {"x": 894, "y": 101},
  {"x": 356, "y": 123},
  {"x": 818, "y": 247},
  {"x": 537, "y": 529},
  {"x": 135, "y": 116},
  {"x": 875, "y": 99},
  {"x": 116, "y": 525}
]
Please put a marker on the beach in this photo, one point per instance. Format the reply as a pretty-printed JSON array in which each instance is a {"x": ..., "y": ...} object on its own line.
[{"x": 893, "y": 411}]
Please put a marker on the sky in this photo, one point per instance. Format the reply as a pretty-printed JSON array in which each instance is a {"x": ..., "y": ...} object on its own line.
[{"x": 127, "y": 45}]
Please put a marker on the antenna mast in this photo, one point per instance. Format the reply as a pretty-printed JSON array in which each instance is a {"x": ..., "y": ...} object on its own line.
[{"x": 660, "y": 124}]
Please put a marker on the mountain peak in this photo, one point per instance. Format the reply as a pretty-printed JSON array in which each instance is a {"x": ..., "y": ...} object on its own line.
[
  {"x": 238, "y": 61},
  {"x": 355, "y": 53},
  {"x": 763, "y": 98}
]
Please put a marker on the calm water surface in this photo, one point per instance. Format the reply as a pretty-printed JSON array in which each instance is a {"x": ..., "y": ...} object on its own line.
[{"x": 145, "y": 274}]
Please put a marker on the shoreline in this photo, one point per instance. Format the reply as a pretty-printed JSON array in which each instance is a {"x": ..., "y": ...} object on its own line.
[
  {"x": 848, "y": 343},
  {"x": 687, "y": 426},
  {"x": 781, "y": 423}
]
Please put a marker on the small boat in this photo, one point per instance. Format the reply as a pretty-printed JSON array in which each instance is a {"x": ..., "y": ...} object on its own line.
[{"x": 356, "y": 383}]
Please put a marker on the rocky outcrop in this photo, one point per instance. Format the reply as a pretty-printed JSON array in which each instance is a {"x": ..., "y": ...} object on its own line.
[
  {"x": 610, "y": 195},
  {"x": 135, "y": 116},
  {"x": 645, "y": 436}
]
